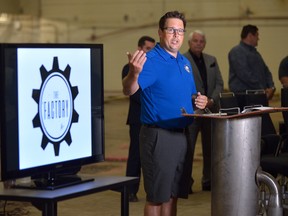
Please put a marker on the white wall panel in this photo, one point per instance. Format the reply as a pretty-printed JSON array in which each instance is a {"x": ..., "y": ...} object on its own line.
[
  {"x": 10, "y": 6},
  {"x": 267, "y": 7},
  {"x": 119, "y": 23},
  {"x": 103, "y": 13}
]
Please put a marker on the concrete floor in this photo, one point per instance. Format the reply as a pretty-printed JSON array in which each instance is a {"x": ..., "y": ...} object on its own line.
[{"x": 116, "y": 145}]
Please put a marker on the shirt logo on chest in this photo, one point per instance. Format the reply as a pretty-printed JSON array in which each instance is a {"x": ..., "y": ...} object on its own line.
[{"x": 187, "y": 68}]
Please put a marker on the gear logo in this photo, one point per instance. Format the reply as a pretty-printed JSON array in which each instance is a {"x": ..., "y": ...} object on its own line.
[{"x": 55, "y": 100}]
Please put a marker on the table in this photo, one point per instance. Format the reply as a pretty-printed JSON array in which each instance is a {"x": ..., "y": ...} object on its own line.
[{"x": 49, "y": 198}]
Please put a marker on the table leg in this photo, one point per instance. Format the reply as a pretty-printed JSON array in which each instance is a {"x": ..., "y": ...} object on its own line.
[
  {"x": 124, "y": 202},
  {"x": 49, "y": 209}
]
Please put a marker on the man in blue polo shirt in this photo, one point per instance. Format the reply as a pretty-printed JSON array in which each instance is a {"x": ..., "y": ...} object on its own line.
[{"x": 167, "y": 84}]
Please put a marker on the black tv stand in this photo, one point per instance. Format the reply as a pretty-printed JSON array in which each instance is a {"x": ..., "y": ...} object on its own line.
[
  {"x": 59, "y": 181},
  {"x": 48, "y": 199}
]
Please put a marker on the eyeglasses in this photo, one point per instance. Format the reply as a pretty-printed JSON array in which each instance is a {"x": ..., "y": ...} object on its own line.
[{"x": 171, "y": 30}]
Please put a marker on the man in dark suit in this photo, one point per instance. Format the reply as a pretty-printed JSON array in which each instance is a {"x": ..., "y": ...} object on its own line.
[
  {"x": 283, "y": 72},
  {"x": 133, "y": 168},
  {"x": 209, "y": 82}
]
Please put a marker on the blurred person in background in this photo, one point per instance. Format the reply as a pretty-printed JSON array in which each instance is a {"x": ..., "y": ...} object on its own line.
[
  {"x": 247, "y": 69},
  {"x": 209, "y": 82},
  {"x": 283, "y": 72}
]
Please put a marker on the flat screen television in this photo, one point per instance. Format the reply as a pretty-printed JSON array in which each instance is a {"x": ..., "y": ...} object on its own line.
[{"x": 51, "y": 115}]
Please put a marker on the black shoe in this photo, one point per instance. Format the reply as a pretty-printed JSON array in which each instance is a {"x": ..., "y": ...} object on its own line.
[
  {"x": 190, "y": 191},
  {"x": 133, "y": 198},
  {"x": 206, "y": 186}
]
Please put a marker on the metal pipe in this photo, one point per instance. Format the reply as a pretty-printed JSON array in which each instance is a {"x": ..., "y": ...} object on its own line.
[{"x": 275, "y": 202}]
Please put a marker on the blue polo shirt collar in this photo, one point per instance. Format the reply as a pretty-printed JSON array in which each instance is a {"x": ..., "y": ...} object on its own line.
[{"x": 165, "y": 55}]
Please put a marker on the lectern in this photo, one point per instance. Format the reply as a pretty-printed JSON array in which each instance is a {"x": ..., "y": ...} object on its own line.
[{"x": 235, "y": 159}]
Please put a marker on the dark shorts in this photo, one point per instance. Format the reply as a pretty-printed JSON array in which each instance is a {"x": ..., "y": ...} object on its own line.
[{"x": 164, "y": 159}]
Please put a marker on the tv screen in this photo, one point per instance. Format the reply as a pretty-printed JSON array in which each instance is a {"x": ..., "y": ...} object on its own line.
[{"x": 51, "y": 116}]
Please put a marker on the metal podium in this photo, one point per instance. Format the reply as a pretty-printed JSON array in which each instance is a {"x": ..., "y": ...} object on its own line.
[
  {"x": 235, "y": 163},
  {"x": 235, "y": 159}
]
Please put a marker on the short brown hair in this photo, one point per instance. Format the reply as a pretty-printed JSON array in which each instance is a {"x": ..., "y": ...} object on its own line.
[
  {"x": 248, "y": 29},
  {"x": 141, "y": 41},
  {"x": 171, "y": 14}
]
